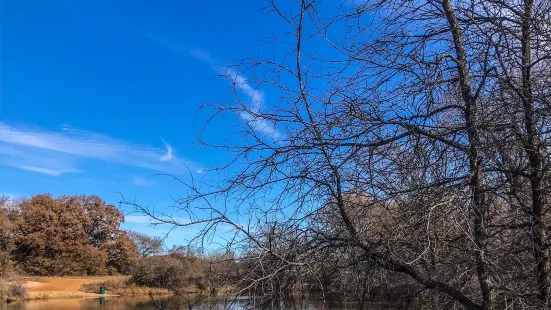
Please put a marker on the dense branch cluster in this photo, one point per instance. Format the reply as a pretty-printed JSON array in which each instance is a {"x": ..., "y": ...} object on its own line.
[{"x": 408, "y": 152}]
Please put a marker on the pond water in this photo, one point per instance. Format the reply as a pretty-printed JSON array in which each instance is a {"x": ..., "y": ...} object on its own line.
[{"x": 126, "y": 303}]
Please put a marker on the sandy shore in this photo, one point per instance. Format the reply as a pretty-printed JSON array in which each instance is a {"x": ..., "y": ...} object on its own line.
[{"x": 62, "y": 287}]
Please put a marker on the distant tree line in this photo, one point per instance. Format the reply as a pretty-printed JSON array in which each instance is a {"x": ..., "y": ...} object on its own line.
[
  {"x": 183, "y": 269},
  {"x": 81, "y": 236}
]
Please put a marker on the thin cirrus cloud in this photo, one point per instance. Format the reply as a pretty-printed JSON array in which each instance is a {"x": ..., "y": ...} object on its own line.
[
  {"x": 47, "y": 171},
  {"x": 137, "y": 219},
  {"x": 139, "y": 181},
  {"x": 251, "y": 115},
  {"x": 34, "y": 159},
  {"x": 144, "y": 219},
  {"x": 57, "y": 152},
  {"x": 168, "y": 156}
]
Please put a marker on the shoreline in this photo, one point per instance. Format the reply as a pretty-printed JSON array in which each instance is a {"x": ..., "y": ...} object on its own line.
[{"x": 56, "y": 288}]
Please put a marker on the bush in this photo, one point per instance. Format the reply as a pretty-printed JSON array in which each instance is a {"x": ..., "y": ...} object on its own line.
[
  {"x": 122, "y": 286},
  {"x": 185, "y": 273},
  {"x": 6, "y": 265},
  {"x": 116, "y": 283},
  {"x": 13, "y": 290},
  {"x": 16, "y": 290},
  {"x": 160, "y": 271},
  {"x": 111, "y": 285}
]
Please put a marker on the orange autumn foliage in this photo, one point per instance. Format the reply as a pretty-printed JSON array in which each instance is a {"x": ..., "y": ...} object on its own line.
[{"x": 71, "y": 235}]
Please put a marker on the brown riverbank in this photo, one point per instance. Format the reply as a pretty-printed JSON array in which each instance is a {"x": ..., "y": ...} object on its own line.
[{"x": 81, "y": 287}]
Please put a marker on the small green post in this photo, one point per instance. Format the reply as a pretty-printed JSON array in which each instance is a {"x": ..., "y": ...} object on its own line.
[{"x": 102, "y": 289}]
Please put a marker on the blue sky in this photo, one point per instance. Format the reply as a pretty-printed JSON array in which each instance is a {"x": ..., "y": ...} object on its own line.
[{"x": 98, "y": 97}]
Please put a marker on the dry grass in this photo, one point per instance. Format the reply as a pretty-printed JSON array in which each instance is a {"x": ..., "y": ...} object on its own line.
[
  {"x": 122, "y": 287},
  {"x": 41, "y": 288},
  {"x": 60, "y": 295},
  {"x": 30, "y": 279},
  {"x": 110, "y": 285},
  {"x": 12, "y": 290},
  {"x": 58, "y": 284},
  {"x": 46, "y": 288}
]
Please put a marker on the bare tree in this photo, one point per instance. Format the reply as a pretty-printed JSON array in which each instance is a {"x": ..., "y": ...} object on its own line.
[
  {"x": 407, "y": 140},
  {"x": 146, "y": 245}
]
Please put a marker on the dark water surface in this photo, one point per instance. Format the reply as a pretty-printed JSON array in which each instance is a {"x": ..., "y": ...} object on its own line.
[{"x": 144, "y": 303}]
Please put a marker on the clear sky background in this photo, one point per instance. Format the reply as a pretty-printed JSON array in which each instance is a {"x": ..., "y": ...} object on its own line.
[{"x": 97, "y": 97}]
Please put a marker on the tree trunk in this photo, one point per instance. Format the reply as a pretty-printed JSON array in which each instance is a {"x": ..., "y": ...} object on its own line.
[
  {"x": 533, "y": 149},
  {"x": 475, "y": 160}
]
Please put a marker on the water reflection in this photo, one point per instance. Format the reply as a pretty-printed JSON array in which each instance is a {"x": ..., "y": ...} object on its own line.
[{"x": 171, "y": 303}]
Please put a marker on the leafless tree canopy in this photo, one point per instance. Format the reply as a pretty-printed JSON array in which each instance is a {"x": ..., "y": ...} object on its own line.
[{"x": 402, "y": 145}]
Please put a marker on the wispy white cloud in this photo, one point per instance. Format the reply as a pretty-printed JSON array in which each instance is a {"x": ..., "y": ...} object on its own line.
[
  {"x": 137, "y": 219},
  {"x": 204, "y": 57},
  {"x": 36, "y": 160},
  {"x": 144, "y": 219},
  {"x": 42, "y": 170},
  {"x": 139, "y": 181},
  {"x": 168, "y": 156},
  {"x": 57, "y": 152},
  {"x": 180, "y": 235},
  {"x": 253, "y": 114}
]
